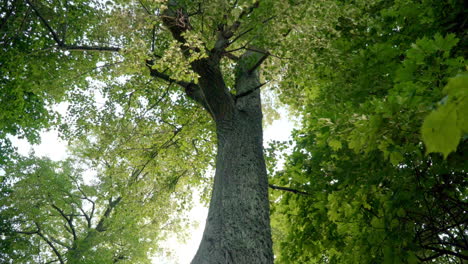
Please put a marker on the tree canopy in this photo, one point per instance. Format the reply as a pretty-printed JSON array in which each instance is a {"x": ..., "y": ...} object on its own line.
[
  {"x": 382, "y": 151},
  {"x": 377, "y": 171}
]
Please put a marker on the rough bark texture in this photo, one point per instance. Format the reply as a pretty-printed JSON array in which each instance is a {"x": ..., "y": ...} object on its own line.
[{"x": 238, "y": 225}]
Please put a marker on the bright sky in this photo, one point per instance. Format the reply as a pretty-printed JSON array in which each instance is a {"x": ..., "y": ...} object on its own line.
[{"x": 56, "y": 149}]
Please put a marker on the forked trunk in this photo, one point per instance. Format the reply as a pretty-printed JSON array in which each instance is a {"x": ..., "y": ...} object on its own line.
[{"x": 238, "y": 226}]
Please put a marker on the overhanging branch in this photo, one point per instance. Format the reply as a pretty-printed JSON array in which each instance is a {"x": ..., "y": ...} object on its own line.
[
  {"x": 61, "y": 42},
  {"x": 88, "y": 48},
  {"x": 54, "y": 34},
  {"x": 192, "y": 90},
  {"x": 112, "y": 204}
]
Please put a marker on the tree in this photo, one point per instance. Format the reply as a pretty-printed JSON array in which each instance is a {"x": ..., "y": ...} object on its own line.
[
  {"x": 193, "y": 71},
  {"x": 55, "y": 214},
  {"x": 388, "y": 92},
  {"x": 213, "y": 57}
]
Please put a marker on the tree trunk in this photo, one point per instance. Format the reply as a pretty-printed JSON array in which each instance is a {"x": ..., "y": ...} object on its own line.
[{"x": 238, "y": 226}]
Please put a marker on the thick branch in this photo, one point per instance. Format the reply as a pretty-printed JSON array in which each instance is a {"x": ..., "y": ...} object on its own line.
[
  {"x": 192, "y": 90},
  {"x": 112, "y": 204},
  {"x": 68, "y": 219},
  {"x": 274, "y": 187},
  {"x": 27, "y": 232},
  {"x": 213, "y": 93},
  {"x": 165, "y": 77},
  {"x": 88, "y": 48},
  {"x": 51, "y": 245}
]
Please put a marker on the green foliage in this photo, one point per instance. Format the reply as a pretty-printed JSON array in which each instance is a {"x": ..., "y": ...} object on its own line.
[
  {"x": 443, "y": 128},
  {"x": 388, "y": 83},
  {"x": 145, "y": 143},
  {"x": 28, "y": 53},
  {"x": 53, "y": 202}
]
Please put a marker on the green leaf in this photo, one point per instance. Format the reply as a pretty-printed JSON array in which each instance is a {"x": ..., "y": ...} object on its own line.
[
  {"x": 443, "y": 128},
  {"x": 396, "y": 158},
  {"x": 335, "y": 144},
  {"x": 440, "y": 131}
]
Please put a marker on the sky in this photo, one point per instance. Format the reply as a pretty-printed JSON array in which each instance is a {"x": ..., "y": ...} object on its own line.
[{"x": 182, "y": 253}]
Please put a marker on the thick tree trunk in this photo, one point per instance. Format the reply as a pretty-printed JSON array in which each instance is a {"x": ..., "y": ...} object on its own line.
[{"x": 238, "y": 225}]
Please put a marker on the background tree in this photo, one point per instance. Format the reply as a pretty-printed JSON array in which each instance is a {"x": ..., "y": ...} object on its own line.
[
  {"x": 388, "y": 92},
  {"x": 55, "y": 214}
]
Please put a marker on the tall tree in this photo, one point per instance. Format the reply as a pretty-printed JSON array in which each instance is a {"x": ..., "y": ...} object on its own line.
[
  {"x": 195, "y": 69},
  {"x": 211, "y": 51}
]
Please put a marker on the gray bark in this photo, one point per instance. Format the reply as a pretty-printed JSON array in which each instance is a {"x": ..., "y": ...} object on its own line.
[
  {"x": 238, "y": 225},
  {"x": 238, "y": 229}
]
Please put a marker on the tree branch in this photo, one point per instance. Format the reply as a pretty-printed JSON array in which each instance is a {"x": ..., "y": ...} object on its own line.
[
  {"x": 51, "y": 245},
  {"x": 59, "y": 242},
  {"x": 250, "y": 29},
  {"x": 259, "y": 62},
  {"x": 85, "y": 197},
  {"x": 274, "y": 187},
  {"x": 144, "y": 7},
  {"x": 192, "y": 90},
  {"x": 226, "y": 32},
  {"x": 27, "y": 232},
  {"x": 86, "y": 216},
  {"x": 61, "y": 43},
  {"x": 112, "y": 204},
  {"x": 54, "y": 35},
  {"x": 446, "y": 252},
  {"x": 250, "y": 91},
  {"x": 211, "y": 91},
  {"x": 88, "y": 48},
  {"x": 68, "y": 219}
]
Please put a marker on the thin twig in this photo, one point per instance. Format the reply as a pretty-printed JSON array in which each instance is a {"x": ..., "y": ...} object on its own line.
[
  {"x": 250, "y": 91},
  {"x": 274, "y": 187},
  {"x": 259, "y": 62}
]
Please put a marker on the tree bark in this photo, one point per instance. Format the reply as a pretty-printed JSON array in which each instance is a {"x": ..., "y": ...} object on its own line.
[{"x": 238, "y": 226}]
